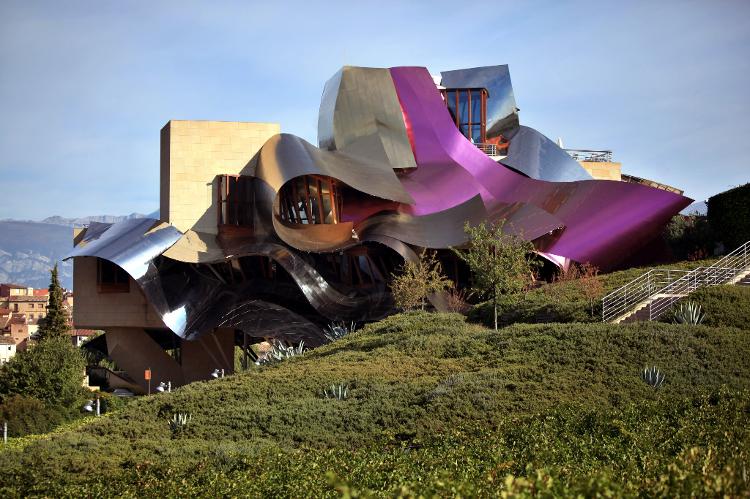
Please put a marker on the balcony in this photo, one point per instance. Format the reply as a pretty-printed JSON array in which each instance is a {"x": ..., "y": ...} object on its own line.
[
  {"x": 488, "y": 149},
  {"x": 590, "y": 156}
]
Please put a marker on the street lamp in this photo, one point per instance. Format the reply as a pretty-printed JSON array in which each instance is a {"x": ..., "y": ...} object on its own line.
[
  {"x": 164, "y": 387},
  {"x": 89, "y": 406},
  {"x": 218, "y": 373}
]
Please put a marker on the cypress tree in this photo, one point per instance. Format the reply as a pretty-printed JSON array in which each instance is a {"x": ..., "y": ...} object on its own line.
[{"x": 55, "y": 325}]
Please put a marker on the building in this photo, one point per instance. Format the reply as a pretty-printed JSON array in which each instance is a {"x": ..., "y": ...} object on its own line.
[
  {"x": 7, "y": 349},
  {"x": 24, "y": 300},
  {"x": 9, "y": 289},
  {"x": 263, "y": 235}
]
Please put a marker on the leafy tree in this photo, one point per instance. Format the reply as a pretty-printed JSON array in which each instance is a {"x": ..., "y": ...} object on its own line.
[
  {"x": 51, "y": 371},
  {"x": 500, "y": 263},
  {"x": 55, "y": 324},
  {"x": 417, "y": 280}
]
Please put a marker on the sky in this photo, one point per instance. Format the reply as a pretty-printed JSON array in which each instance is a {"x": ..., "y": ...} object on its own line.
[{"x": 85, "y": 87}]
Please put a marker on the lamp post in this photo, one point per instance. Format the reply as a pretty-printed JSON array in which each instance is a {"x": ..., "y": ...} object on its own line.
[
  {"x": 90, "y": 405},
  {"x": 218, "y": 373}
]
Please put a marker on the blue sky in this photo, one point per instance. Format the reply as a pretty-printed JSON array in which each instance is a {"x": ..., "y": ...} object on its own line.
[{"x": 85, "y": 87}]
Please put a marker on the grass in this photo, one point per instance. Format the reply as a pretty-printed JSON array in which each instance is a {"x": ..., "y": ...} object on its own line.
[{"x": 436, "y": 406}]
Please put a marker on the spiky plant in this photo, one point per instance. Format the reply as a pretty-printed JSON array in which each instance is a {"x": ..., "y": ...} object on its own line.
[
  {"x": 688, "y": 313},
  {"x": 179, "y": 422},
  {"x": 338, "y": 392},
  {"x": 653, "y": 377},
  {"x": 280, "y": 351},
  {"x": 337, "y": 330}
]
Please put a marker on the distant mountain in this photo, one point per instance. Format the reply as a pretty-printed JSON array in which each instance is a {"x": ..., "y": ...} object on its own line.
[
  {"x": 29, "y": 249},
  {"x": 699, "y": 207},
  {"x": 79, "y": 222}
]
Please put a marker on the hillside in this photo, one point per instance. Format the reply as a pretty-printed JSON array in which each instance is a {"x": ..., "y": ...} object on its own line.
[{"x": 436, "y": 406}]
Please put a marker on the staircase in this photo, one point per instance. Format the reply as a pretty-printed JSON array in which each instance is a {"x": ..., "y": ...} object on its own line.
[{"x": 652, "y": 294}]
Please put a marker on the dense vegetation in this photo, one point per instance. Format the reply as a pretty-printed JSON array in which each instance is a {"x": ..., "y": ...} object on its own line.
[
  {"x": 436, "y": 406},
  {"x": 564, "y": 301},
  {"x": 729, "y": 216},
  {"x": 42, "y": 386}
]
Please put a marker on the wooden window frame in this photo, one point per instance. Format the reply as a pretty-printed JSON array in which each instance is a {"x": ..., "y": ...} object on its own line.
[
  {"x": 471, "y": 93},
  {"x": 298, "y": 205},
  {"x": 228, "y": 213}
]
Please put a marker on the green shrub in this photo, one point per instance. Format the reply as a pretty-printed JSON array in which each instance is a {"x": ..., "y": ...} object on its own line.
[{"x": 27, "y": 415}]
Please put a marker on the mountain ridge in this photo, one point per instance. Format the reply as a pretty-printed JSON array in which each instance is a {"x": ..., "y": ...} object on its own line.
[{"x": 30, "y": 248}]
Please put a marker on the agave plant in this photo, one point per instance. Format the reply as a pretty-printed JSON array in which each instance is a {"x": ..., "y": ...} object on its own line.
[
  {"x": 337, "y": 330},
  {"x": 653, "y": 377},
  {"x": 280, "y": 351},
  {"x": 688, "y": 313},
  {"x": 178, "y": 422},
  {"x": 338, "y": 392}
]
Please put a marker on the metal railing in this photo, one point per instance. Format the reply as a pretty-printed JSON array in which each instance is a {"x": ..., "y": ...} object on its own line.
[
  {"x": 639, "y": 290},
  {"x": 588, "y": 155},
  {"x": 488, "y": 149},
  {"x": 659, "y": 289}
]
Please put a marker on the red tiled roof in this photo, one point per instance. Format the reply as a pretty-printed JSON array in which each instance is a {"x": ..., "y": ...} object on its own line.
[
  {"x": 41, "y": 292},
  {"x": 13, "y": 286},
  {"x": 83, "y": 332},
  {"x": 34, "y": 299},
  {"x": 7, "y": 340},
  {"x": 18, "y": 319}
]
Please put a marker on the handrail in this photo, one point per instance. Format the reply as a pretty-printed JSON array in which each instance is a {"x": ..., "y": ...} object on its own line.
[
  {"x": 488, "y": 149},
  {"x": 660, "y": 288}
]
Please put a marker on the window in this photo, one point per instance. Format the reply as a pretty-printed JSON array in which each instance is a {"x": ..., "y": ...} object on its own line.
[
  {"x": 111, "y": 278},
  {"x": 468, "y": 108},
  {"x": 236, "y": 198},
  {"x": 312, "y": 199}
]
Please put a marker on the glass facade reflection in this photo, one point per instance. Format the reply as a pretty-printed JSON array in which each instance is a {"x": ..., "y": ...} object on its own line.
[{"x": 468, "y": 108}]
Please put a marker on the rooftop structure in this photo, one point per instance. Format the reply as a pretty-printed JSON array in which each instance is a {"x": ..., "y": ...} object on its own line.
[{"x": 263, "y": 235}]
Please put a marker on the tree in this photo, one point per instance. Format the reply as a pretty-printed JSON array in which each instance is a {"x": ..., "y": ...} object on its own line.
[
  {"x": 590, "y": 284},
  {"x": 500, "y": 263},
  {"x": 417, "y": 280},
  {"x": 51, "y": 371},
  {"x": 55, "y": 324},
  {"x": 583, "y": 278}
]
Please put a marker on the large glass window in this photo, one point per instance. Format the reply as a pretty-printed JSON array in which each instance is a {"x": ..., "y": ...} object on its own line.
[
  {"x": 468, "y": 108},
  {"x": 236, "y": 200},
  {"x": 312, "y": 199}
]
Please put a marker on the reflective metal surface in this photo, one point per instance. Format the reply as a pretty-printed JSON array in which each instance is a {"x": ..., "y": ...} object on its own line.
[
  {"x": 360, "y": 115},
  {"x": 502, "y": 113},
  {"x": 282, "y": 279},
  {"x": 536, "y": 156},
  {"x": 604, "y": 221}
]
